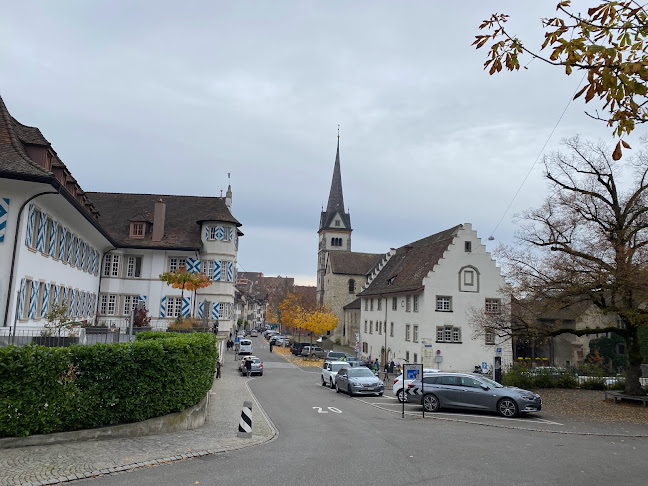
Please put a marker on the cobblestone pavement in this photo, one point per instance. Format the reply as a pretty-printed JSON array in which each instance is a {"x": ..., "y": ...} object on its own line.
[{"x": 56, "y": 463}]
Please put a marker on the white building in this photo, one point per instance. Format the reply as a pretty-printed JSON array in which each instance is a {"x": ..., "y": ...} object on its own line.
[
  {"x": 102, "y": 253},
  {"x": 417, "y": 301}
]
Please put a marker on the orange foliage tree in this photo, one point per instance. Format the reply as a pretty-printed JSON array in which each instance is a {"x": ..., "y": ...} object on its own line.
[{"x": 182, "y": 279}]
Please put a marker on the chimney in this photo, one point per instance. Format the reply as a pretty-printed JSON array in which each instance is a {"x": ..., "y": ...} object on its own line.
[{"x": 158, "y": 220}]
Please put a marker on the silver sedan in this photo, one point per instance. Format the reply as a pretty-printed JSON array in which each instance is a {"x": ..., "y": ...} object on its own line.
[{"x": 358, "y": 380}]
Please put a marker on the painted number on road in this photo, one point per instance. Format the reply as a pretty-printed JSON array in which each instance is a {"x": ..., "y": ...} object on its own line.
[{"x": 332, "y": 409}]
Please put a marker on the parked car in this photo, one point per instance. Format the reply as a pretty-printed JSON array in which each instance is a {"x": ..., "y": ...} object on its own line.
[
  {"x": 254, "y": 333},
  {"x": 244, "y": 346},
  {"x": 358, "y": 380},
  {"x": 278, "y": 339},
  {"x": 314, "y": 351},
  {"x": 242, "y": 361},
  {"x": 257, "y": 366},
  {"x": 353, "y": 361},
  {"x": 337, "y": 356},
  {"x": 330, "y": 370},
  {"x": 296, "y": 348},
  {"x": 472, "y": 392},
  {"x": 398, "y": 383}
]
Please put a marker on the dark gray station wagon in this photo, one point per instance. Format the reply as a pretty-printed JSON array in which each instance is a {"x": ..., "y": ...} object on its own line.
[{"x": 474, "y": 392}]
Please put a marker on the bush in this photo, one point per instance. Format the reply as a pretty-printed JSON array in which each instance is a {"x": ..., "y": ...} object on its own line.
[
  {"x": 593, "y": 384},
  {"x": 47, "y": 390},
  {"x": 517, "y": 376}
]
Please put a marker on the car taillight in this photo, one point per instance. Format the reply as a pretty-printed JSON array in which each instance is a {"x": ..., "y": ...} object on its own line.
[
  {"x": 260, "y": 365},
  {"x": 395, "y": 380}
]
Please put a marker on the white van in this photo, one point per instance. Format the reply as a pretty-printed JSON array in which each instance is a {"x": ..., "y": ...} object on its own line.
[{"x": 245, "y": 346}]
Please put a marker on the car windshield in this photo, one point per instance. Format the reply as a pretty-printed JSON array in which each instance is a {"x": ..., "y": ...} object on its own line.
[
  {"x": 360, "y": 372},
  {"x": 490, "y": 382}
]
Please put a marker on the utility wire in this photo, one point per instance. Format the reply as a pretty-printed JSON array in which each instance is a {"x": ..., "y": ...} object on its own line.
[{"x": 537, "y": 158}]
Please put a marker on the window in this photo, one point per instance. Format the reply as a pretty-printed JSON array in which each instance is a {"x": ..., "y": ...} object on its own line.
[
  {"x": 379, "y": 327},
  {"x": 226, "y": 233},
  {"x": 379, "y": 303},
  {"x": 337, "y": 222},
  {"x": 130, "y": 303},
  {"x": 407, "y": 356},
  {"x": 490, "y": 337},
  {"x": 444, "y": 303},
  {"x": 415, "y": 336},
  {"x": 137, "y": 230},
  {"x": 39, "y": 300},
  {"x": 178, "y": 262},
  {"x": 468, "y": 246},
  {"x": 174, "y": 306},
  {"x": 351, "y": 286},
  {"x": 492, "y": 306},
  {"x": 365, "y": 347},
  {"x": 371, "y": 305},
  {"x": 448, "y": 334},
  {"x": 416, "y": 305},
  {"x": 394, "y": 303},
  {"x": 336, "y": 241},
  {"x": 365, "y": 327},
  {"x": 415, "y": 358},
  {"x": 213, "y": 232},
  {"x": 114, "y": 272},
  {"x": 469, "y": 278},
  {"x": 391, "y": 329},
  {"x": 107, "y": 263},
  {"x": 70, "y": 248},
  {"x": 134, "y": 267},
  {"x": 107, "y": 304},
  {"x": 407, "y": 332},
  {"x": 366, "y": 304},
  {"x": 370, "y": 327},
  {"x": 408, "y": 303},
  {"x": 48, "y": 237}
]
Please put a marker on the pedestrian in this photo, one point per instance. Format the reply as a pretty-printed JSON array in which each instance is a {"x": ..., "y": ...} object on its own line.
[
  {"x": 376, "y": 366},
  {"x": 386, "y": 368},
  {"x": 271, "y": 346},
  {"x": 218, "y": 368},
  {"x": 391, "y": 366},
  {"x": 248, "y": 366}
]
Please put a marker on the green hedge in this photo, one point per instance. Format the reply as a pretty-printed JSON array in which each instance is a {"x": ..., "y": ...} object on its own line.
[{"x": 45, "y": 390}]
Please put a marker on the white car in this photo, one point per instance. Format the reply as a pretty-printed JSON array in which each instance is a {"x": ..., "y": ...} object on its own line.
[
  {"x": 330, "y": 371},
  {"x": 398, "y": 382},
  {"x": 244, "y": 346}
]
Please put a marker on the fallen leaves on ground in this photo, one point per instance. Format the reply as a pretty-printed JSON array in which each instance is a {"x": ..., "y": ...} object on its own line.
[{"x": 591, "y": 405}]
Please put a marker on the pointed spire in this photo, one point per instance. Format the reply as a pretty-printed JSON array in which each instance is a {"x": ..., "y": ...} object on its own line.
[{"x": 336, "y": 199}]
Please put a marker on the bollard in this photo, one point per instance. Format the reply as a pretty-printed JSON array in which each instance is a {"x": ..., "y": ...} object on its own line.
[{"x": 245, "y": 425}]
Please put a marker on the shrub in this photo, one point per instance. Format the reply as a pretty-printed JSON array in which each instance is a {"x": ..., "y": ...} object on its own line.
[
  {"x": 517, "y": 376},
  {"x": 57, "y": 389},
  {"x": 593, "y": 384}
]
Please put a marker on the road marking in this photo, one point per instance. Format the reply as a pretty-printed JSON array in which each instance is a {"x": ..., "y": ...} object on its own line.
[{"x": 332, "y": 409}]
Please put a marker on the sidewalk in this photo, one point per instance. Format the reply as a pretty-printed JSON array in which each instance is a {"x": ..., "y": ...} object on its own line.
[{"x": 57, "y": 463}]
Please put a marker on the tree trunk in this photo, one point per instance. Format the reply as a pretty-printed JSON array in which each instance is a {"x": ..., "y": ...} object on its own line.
[{"x": 633, "y": 371}]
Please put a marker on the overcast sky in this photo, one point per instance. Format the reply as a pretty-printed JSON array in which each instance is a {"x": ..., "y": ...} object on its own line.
[{"x": 168, "y": 97}]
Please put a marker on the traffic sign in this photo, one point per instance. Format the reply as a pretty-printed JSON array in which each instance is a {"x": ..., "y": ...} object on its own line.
[
  {"x": 237, "y": 339},
  {"x": 413, "y": 391},
  {"x": 499, "y": 351}
]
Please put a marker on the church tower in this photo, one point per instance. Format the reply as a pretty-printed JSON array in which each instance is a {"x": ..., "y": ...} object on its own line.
[{"x": 335, "y": 226}]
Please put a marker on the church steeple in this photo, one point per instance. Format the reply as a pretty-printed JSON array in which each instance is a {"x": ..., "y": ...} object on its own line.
[{"x": 335, "y": 204}]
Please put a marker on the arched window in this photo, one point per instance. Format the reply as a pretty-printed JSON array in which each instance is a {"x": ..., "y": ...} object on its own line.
[
  {"x": 469, "y": 279},
  {"x": 351, "y": 286}
]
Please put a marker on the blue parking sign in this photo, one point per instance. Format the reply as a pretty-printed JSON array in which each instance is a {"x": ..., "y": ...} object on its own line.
[
  {"x": 237, "y": 339},
  {"x": 412, "y": 374}
]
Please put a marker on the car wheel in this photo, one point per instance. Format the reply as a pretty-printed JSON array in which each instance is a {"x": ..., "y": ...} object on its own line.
[
  {"x": 331, "y": 383},
  {"x": 337, "y": 388},
  {"x": 380, "y": 394},
  {"x": 349, "y": 390},
  {"x": 507, "y": 408},
  {"x": 431, "y": 403},
  {"x": 261, "y": 374},
  {"x": 401, "y": 395},
  {"x": 323, "y": 382}
]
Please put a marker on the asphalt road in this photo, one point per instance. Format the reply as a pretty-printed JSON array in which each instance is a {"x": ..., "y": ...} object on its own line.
[{"x": 332, "y": 439}]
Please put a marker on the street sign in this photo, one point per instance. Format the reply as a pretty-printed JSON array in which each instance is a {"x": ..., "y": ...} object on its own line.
[
  {"x": 499, "y": 351},
  {"x": 412, "y": 372},
  {"x": 237, "y": 339},
  {"x": 484, "y": 367}
]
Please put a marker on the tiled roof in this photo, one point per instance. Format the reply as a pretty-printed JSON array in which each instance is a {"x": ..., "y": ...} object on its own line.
[
  {"x": 411, "y": 263},
  {"x": 353, "y": 263},
  {"x": 29, "y": 134},
  {"x": 353, "y": 305},
  {"x": 336, "y": 199},
  {"x": 182, "y": 220},
  {"x": 14, "y": 161}
]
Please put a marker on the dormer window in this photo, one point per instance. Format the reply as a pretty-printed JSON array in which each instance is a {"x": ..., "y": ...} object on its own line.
[
  {"x": 137, "y": 229},
  {"x": 337, "y": 222}
]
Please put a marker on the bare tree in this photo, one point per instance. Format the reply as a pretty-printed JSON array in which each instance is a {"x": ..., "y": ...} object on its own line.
[{"x": 585, "y": 244}]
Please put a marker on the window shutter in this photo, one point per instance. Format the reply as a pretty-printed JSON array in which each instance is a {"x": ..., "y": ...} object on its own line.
[
  {"x": 217, "y": 270},
  {"x": 77, "y": 255},
  {"x": 94, "y": 261},
  {"x": 42, "y": 230},
  {"x": 21, "y": 298},
  {"x": 201, "y": 309},
  {"x": 84, "y": 250},
  {"x": 4, "y": 210},
  {"x": 30, "y": 225},
  {"x": 193, "y": 265},
  {"x": 53, "y": 235},
  {"x": 142, "y": 298},
  {"x": 73, "y": 303},
  {"x": 230, "y": 274},
  {"x": 45, "y": 300},
  {"x": 70, "y": 248},
  {"x": 57, "y": 295},
  {"x": 32, "y": 300},
  {"x": 62, "y": 239},
  {"x": 219, "y": 232},
  {"x": 163, "y": 307},
  {"x": 66, "y": 293},
  {"x": 186, "y": 306},
  {"x": 231, "y": 234},
  {"x": 206, "y": 233},
  {"x": 215, "y": 309}
]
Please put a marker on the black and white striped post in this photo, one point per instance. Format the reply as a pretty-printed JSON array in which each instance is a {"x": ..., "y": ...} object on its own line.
[{"x": 245, "y": 425}]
